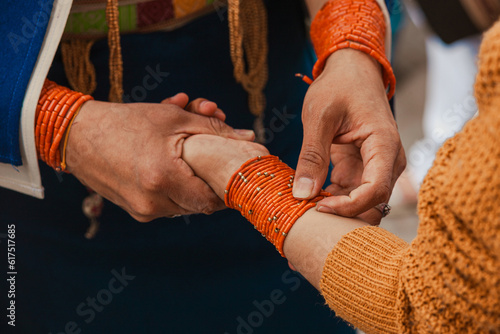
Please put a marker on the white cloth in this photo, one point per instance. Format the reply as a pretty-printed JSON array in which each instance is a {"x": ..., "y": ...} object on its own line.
[{"x": 450, "y": 103}]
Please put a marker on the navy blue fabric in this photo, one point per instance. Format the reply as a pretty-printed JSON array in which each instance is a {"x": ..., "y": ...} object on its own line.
[
  {"x": 197, "y": 274},
  {"x": 22, "y": 27}
]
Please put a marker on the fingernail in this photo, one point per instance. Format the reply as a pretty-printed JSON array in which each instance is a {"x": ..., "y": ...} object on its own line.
[
  {"x": 325, "y": 209},
  {"x": 203, "y": 103},
  {"x": 303, "y": 187},
  {"x": 244, "y": 133}
]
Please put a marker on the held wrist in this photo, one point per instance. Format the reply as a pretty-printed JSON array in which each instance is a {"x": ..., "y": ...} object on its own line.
[{"x": 261, "y": 189}]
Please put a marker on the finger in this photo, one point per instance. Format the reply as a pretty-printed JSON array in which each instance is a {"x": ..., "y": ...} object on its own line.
[
  {"x": 205, "y": 107},
  {"x": 347, "y": 170},
  {"x": 379, "y": 155},
  {"x": 372, "y": 216},
  {"x": 174, "y": 211},
  {"x": 198, "y": 124},
  {"x": 192, "y": 193},
  {"x": 197, "y": 197},
  {"x": 399, "y": 166},
  {"x": 168, "y": 209},
  {"x": 180, "y": 100},
  {"x": 337, "y": 190},
  {"x": 314, "y": 159}
]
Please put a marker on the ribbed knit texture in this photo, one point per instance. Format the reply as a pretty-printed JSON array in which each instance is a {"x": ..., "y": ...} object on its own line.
[{"x": 448, "y": 279}]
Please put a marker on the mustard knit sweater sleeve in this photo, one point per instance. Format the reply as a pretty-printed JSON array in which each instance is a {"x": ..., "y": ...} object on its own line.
[{"x": 448, "y": 279}]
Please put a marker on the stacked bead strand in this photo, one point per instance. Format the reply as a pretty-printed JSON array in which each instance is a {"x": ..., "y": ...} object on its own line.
[
  {"x": 262, "y": 191},
  {"x": 355, "y": 24},
  {"x": 56, "y": 109}
]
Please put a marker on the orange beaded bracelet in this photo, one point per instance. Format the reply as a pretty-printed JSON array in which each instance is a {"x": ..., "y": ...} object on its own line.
[
  {"x": 261, "y": 189},
  {"x": 56, "y": 109},
  {"x": 355, "y": 24}
]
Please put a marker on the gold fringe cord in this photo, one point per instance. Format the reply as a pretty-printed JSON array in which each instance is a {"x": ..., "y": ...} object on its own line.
[{"x": 79, "y": 69}]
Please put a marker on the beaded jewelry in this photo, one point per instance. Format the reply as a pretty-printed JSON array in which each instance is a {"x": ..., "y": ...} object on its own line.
[
  {"x": 261, "y": 189},
  {"x": 354, "y": 24},
  {"x": 56, "y": 109}
]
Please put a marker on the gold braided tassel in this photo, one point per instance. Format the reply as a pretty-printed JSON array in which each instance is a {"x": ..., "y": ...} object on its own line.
[
  {"x": 248, "y": 40},
  {"x": 77, "y": 65},
  {"x": 115, "y": 52}
]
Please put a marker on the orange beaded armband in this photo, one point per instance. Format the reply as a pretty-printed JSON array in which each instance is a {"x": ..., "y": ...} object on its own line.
[
  {"x": 56, "y": 109},
  {"x": 261, "y": 189},
  {"x": 355, "y": 24}
]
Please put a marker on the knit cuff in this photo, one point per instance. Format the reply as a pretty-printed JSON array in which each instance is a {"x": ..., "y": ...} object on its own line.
[{"x": 360, "y": 279}]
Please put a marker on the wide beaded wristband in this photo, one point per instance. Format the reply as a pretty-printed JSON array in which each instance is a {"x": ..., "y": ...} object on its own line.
[
  {"x": 261, "y": 189},
  {"x": 355, "y": 24},
  {"x": 56, "y": 109}
]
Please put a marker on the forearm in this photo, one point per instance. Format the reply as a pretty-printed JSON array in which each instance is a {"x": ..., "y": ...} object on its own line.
[
  {"x": 312, "y": 238},
  {"x": 349, "y": 261},
  {"x": 344, "y": 24}
]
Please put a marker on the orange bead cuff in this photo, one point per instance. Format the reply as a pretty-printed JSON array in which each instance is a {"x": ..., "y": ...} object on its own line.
[
  {"x": 354, "y": 24},
  {"x": 261, "y": 189},
  {"x": 56, "y": 109}
]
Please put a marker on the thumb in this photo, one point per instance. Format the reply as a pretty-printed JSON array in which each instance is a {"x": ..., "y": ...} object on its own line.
[{"x": 314, "y": 160}]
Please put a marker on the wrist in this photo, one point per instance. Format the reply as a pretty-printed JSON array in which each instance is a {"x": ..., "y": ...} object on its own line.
[
  {"x": 56, "y": 109},
  {"x": 347, "y": 24},
  {"x": 216, "y": 170},
  {"x": 261, "y": 189},
  {"x": 347, "y": 57},
  {"x": 65, "y": 146}
]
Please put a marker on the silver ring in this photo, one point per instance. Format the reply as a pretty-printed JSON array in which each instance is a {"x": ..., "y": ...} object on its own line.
[{"x": 384, "y": 209}]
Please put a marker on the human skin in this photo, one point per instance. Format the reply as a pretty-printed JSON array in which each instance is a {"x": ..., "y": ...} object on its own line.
[
  {"x": 131, "y": 154},
  {"x": 133, "y": 159},
  {"x": 314, "y": 234},
  {"x": 347, "y": 120}
]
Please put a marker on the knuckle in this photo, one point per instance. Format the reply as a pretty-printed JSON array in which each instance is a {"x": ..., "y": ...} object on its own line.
[
  {"x": 144, "y": 208},
  {"x": 210, "y": 205},
  {"x": 311, "y": 156},
  {"x": 216, "y": 125},
  {"x": 197, "y": 101},
  {"x": 153, "y": 180},
  {"x": 402, "y": 164},
  {"x": 383, "y": 192},
  {"x": 393, "y": 132},
  {"x": 402, "y": 157},
  {"x": 349, "y": 211},
  {"x": 142, "y": 219},
  {"x": 208, "y": 210}
]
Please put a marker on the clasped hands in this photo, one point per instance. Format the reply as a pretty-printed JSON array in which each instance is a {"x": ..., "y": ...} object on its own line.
[{"x": 175, "y": 158}]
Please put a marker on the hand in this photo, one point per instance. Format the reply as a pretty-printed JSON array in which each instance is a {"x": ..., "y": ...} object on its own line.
[
  {"x": 131, "y": 155},
  {"x": 199, "y": 106},
  {"x": 347, "y": 119}
]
